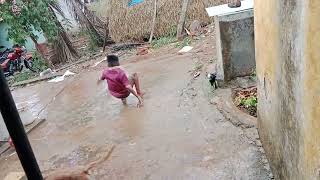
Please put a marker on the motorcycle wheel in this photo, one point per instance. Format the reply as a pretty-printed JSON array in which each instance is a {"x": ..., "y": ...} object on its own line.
[
  {"x": 28, "y": 64},
  {"x": 11, "y": 69}
]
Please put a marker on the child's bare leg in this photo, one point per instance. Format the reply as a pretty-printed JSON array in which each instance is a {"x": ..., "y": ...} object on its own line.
[
  {"x": 124, "y": 101},
  {"x": 136, "y": 83}
]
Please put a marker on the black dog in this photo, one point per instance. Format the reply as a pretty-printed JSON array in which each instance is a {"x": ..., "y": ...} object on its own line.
[{"x": 213, "y": 80}]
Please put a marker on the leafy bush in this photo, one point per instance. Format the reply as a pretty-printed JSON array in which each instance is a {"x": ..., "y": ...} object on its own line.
[
  {"x": 38, "y": 63},
  {"x": 249, "y": 102}
]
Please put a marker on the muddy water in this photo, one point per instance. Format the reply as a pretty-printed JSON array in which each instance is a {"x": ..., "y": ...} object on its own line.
[{"x": 177, "y": 135}]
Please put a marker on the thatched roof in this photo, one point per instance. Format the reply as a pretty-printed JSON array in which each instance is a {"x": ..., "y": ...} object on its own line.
[{"x": 134, "y": 23}]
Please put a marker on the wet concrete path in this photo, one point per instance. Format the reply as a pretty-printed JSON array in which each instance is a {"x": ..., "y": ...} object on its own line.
[{"x": 177, "y": 135}]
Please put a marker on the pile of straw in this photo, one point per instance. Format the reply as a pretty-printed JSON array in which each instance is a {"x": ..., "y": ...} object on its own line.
[{"x": 134, "y": 23}]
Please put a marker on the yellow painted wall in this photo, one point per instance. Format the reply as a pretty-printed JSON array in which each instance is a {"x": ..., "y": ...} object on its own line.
[{"x": 287, "y": 34}]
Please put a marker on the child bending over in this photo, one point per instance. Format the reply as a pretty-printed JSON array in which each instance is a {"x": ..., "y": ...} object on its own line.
[{"x": 120, "y": 85}]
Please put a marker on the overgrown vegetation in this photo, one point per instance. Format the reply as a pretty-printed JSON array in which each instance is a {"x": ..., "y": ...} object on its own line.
[
  {"x": 38, "y": 63},
  {"x": 185, "y": 42},
  {"x": 249, "y": 102},
  {"x": 162, "y": 41},
  {"x": 23, "y": 76},
  {"x": 246, "y": 100},
  {"x": 93, "y": 42}
]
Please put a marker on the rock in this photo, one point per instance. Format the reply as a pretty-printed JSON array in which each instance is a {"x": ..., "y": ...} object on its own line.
[
  {"x": 195, "y": 27},
  {"x": 207, "y": 158},
  {"x": 234, "y": 4},
  {"x": 265, "y": 160},
  {"x": 258, "y": 143},
  {"x": 46, "y": 72},
  {"x": 271, "y": 176},
  {"x": 262, "y": 150},
  {"x": 214, "y": 100},
  {"x": 267, "y": 167}
]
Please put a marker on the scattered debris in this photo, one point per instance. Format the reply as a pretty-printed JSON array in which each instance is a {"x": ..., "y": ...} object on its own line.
[
  {"x": 46, "y": 72},
  {"x": 125, "y": 46},
  {"x": 61, "y": 78},
  {"x": 12, "y": 154},
  {"x": 143, "y": 50},
  {"x": 195, "y": 27},
  {"x": 185, "y": 49},
  {"x": 207, "y": 158},
  {"x": 234, "y": 4},
  {"x": 97, "y": 63},
  {"x": 197, "y": 74},
  {"x": 246, "y": 100},
  {"x": 14, "y": 176}
]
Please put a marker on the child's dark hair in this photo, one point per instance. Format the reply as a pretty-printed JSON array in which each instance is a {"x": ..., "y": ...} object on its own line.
[{"x": 113, "y": 60}]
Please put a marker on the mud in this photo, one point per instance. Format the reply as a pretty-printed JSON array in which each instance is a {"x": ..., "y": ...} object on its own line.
[{"x": 177, "y": 135}]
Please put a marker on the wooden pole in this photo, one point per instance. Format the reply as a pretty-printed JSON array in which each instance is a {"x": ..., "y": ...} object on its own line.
[
  {"x": 105, "y": 37},
  {"x": 153, "y": 20},
  {"x": 182, "y": 18}
]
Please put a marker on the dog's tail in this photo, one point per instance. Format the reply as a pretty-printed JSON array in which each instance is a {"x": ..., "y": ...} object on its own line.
[{"x": 103, "y": 159}]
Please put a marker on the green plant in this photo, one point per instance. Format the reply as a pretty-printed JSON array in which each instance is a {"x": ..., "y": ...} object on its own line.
[
  {"x": 25, "y": 75},
  {"x": 249, "y": 102},
  {"x": 185, "y": 42},
  {"x": 38, "y": 63},
  {"x": 253, "y": 75},
  {"x": 172, "y": 31},
  {"x": 162, "y": 41},
  {"x": 94, "y": 41}
]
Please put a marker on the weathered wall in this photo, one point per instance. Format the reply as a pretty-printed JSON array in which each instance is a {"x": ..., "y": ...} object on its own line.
[{"x": 287, "y": 34}]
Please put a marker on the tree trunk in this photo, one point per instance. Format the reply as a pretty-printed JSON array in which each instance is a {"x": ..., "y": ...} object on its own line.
[
  {"x": 153, "y": 21},
  {"x": 40, "y": 51},
  {"x": 182, "y": 18}
]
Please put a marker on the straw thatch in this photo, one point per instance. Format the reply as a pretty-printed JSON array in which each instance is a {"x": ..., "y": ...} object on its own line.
[{"x": 134, "y": 23}]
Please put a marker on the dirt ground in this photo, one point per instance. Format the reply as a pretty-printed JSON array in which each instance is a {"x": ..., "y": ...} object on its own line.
[{"x": 177, "y": 135}]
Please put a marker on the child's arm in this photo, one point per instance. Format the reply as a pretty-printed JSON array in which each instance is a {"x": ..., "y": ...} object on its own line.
[
  {"x": 131, "y": 90},
  {"x": 99, "y": 81},
  {"x": 101, "y": 78}
]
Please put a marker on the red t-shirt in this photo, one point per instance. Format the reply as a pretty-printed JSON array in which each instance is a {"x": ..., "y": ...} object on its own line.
[{"x": 117, "y": 81}]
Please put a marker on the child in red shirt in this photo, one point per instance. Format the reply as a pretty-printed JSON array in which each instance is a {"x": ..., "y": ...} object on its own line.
[{"x": 119, "y": 84}]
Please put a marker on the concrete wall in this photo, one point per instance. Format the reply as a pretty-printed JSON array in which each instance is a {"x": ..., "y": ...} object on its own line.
[
  {"x": 235, "y": 45},
  {"x": 287, "y": 34}
]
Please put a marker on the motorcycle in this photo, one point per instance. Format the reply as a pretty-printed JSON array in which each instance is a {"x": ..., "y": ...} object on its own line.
[
  {"x": 4, "y": 54},
  {"x": 14, "y": 60}
]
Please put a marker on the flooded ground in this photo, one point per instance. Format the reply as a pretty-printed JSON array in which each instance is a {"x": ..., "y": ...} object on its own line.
[{"x": 177, "y": 135}]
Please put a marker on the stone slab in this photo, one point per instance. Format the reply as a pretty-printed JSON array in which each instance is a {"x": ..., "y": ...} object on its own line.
[{"x": 235, "y": 45}]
